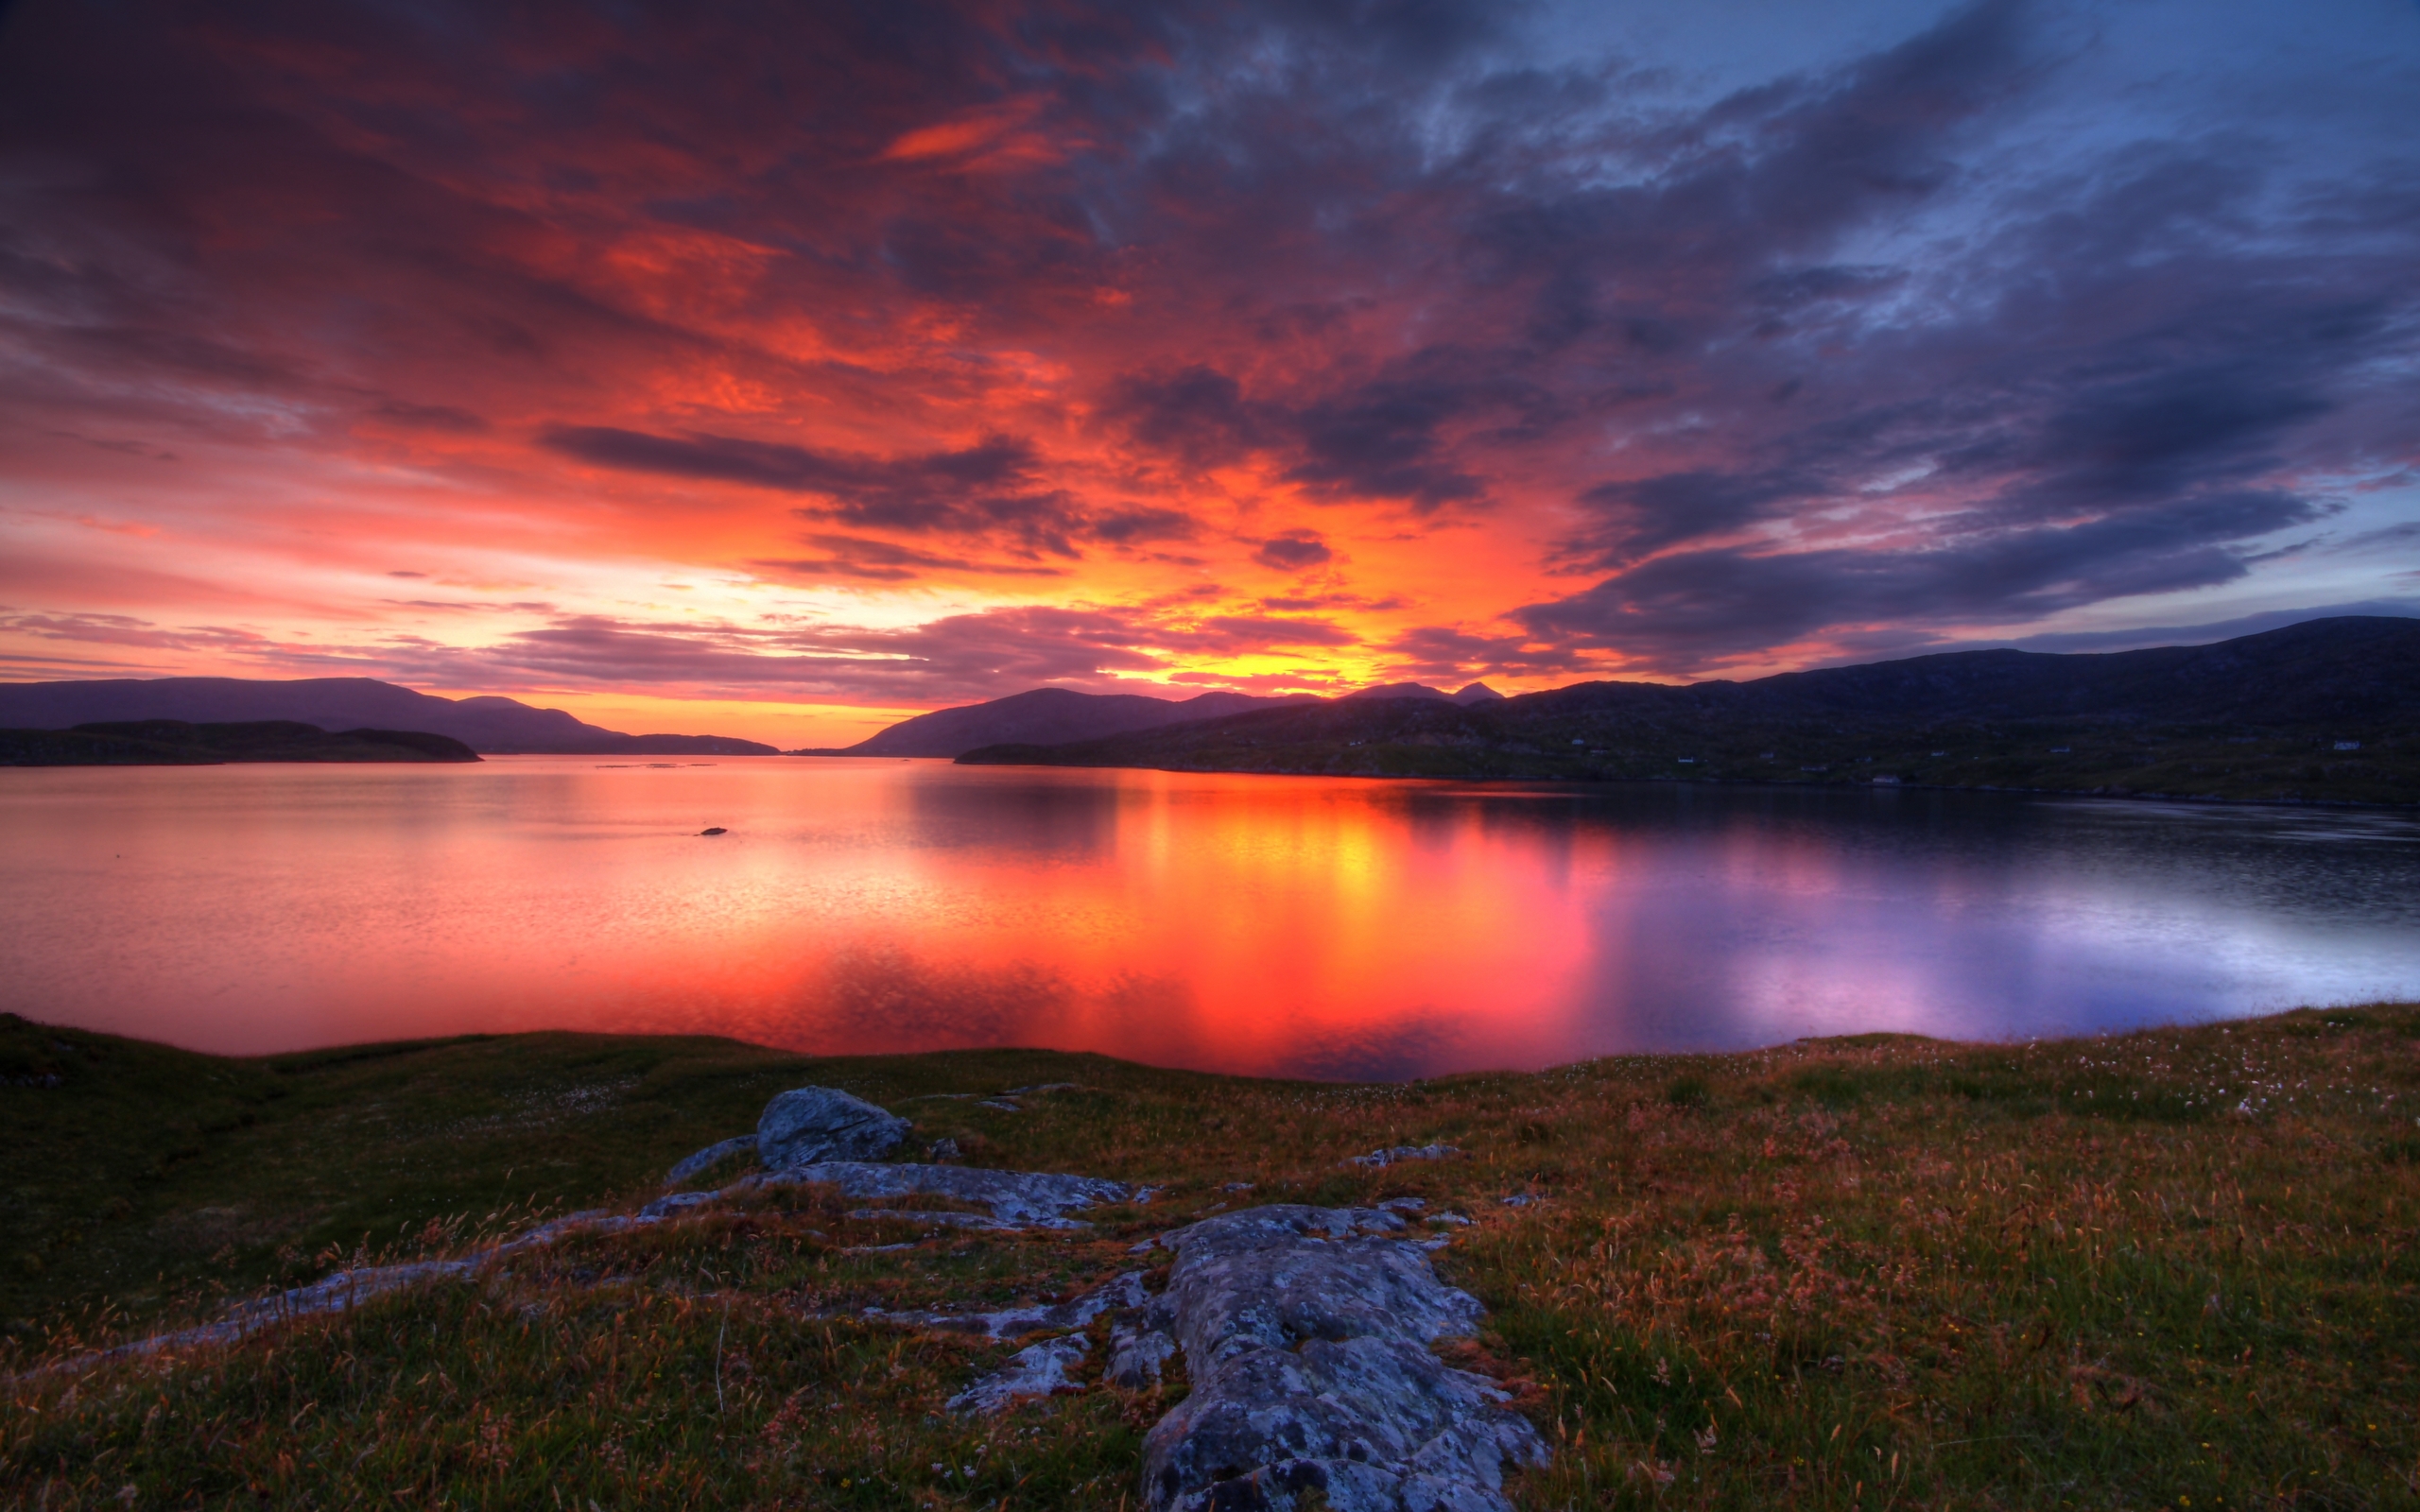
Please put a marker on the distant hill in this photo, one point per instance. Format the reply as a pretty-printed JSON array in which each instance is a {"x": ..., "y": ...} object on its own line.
[
  {"x": 175, "y": 743},
  {"x": 1475, "y": 693},
  {"x": 1047, "y": 716},
  {"x": 2327, "y": 709},
  {"x": 497, "y": 726}
]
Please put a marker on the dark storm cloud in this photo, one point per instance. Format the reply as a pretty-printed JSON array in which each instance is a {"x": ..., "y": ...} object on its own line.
[
  {"x": 2104, "y": 428},
  {"x": 1381, "y": 441},
  {"x": 883, "y": 562},
  {"x": 909, "y": 491},
  {"x": 1692, "y": 610},
  {"x": 1450, "y": 654},
  {"x": 1564, "y": 296},
  {"x": 1196, "y": 414},
  {"x": 1384, "y": 437},
  {"x": 990, "y": 490},
  {"x": 1136, "y": 527},
  {"x": 1646, "y": 514},
  {"x": 1729, "y": 199},
  {"x": 1293, "y": 551}
]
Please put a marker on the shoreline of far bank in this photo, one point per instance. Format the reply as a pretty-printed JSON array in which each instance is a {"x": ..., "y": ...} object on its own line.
[{"x": 1767, "y": 783}]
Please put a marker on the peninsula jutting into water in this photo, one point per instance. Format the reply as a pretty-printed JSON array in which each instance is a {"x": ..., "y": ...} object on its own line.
[
  {"x": 174, "y": 743},
  {"x": 488, "y": 724}
]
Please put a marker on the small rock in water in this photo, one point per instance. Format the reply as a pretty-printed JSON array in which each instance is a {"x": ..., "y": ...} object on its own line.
[
  {"x": 815, "y": 1123},
  {"x": 715, "y": 830}
]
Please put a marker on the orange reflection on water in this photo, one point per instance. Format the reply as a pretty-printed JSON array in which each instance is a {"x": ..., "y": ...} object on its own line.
[
  {"x": 1212, "y": 921},
  {"x": 1281, "y": 925},
  {"x": 855, "y": 906}
]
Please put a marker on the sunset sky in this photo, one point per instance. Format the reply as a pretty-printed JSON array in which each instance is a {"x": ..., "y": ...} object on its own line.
[{"x": 781, "y": 370}]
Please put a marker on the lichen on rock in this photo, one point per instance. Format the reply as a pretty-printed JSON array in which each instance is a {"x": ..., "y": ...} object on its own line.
[
  {"x": 1023, "y": 1199},
  {"x": 1036, "y": 1370},
  {"x": 810, "y": 1123},
  {"x": 1305, "y": 1331}
]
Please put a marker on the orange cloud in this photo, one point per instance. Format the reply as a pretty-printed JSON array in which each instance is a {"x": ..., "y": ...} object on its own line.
[{"x": 837, "y": 363}]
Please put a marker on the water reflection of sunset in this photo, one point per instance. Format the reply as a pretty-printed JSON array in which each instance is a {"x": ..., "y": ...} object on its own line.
[
  {"x": 1313, "y": 926},
  {"x": 1202, "y": 920}
]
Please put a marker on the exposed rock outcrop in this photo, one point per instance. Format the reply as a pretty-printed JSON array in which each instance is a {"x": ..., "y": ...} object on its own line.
[
  {"x": 344, "y": 1290},
  {"x": 1125, "y": 1292},
  {"x": 712, "y": 1154},
  {"x": 1036, "y": 1370},
  {"x": 1018, "y": 1199},
  {"x": 813, "y": 1123},
  {"x": 1377, "y": 1160},
  {"x": 1307, "y": 1332}
]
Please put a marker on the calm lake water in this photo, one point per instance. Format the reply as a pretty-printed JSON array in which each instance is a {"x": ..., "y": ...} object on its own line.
[{"x": 1285, "y": 925}]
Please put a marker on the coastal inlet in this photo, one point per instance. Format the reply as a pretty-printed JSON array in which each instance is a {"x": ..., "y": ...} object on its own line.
[{"x": 1303, "y": 926}]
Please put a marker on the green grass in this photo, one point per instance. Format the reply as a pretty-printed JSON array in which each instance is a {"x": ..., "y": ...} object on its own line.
[
  {"x": 2174, "y": 1269},
  {"x": 153, "y": 1181}
]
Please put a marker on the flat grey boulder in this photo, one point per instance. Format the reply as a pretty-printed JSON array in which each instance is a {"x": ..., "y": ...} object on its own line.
[
  {"x": 1379, "y": 1159},
  {"x": 812, "y": 1123},
  {"x": 1123, "y": 1293},
  {"x": 1305, "y": 1331},
  {"x": 1023, "y": 1199},
  {"x": 1274, "y": 1276},
  {"x": 1373, "y": 1425}
]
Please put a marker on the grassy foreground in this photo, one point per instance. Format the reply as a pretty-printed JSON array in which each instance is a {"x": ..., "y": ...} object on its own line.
[{"x": 2176, "y": 1269}]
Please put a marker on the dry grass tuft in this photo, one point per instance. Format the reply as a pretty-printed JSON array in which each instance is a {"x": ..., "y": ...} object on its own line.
[{"x": 2174, "y": 1269}]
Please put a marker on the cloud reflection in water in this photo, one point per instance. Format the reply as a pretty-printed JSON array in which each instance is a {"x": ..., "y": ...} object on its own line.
[{"x": 1328, "y": 928}]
